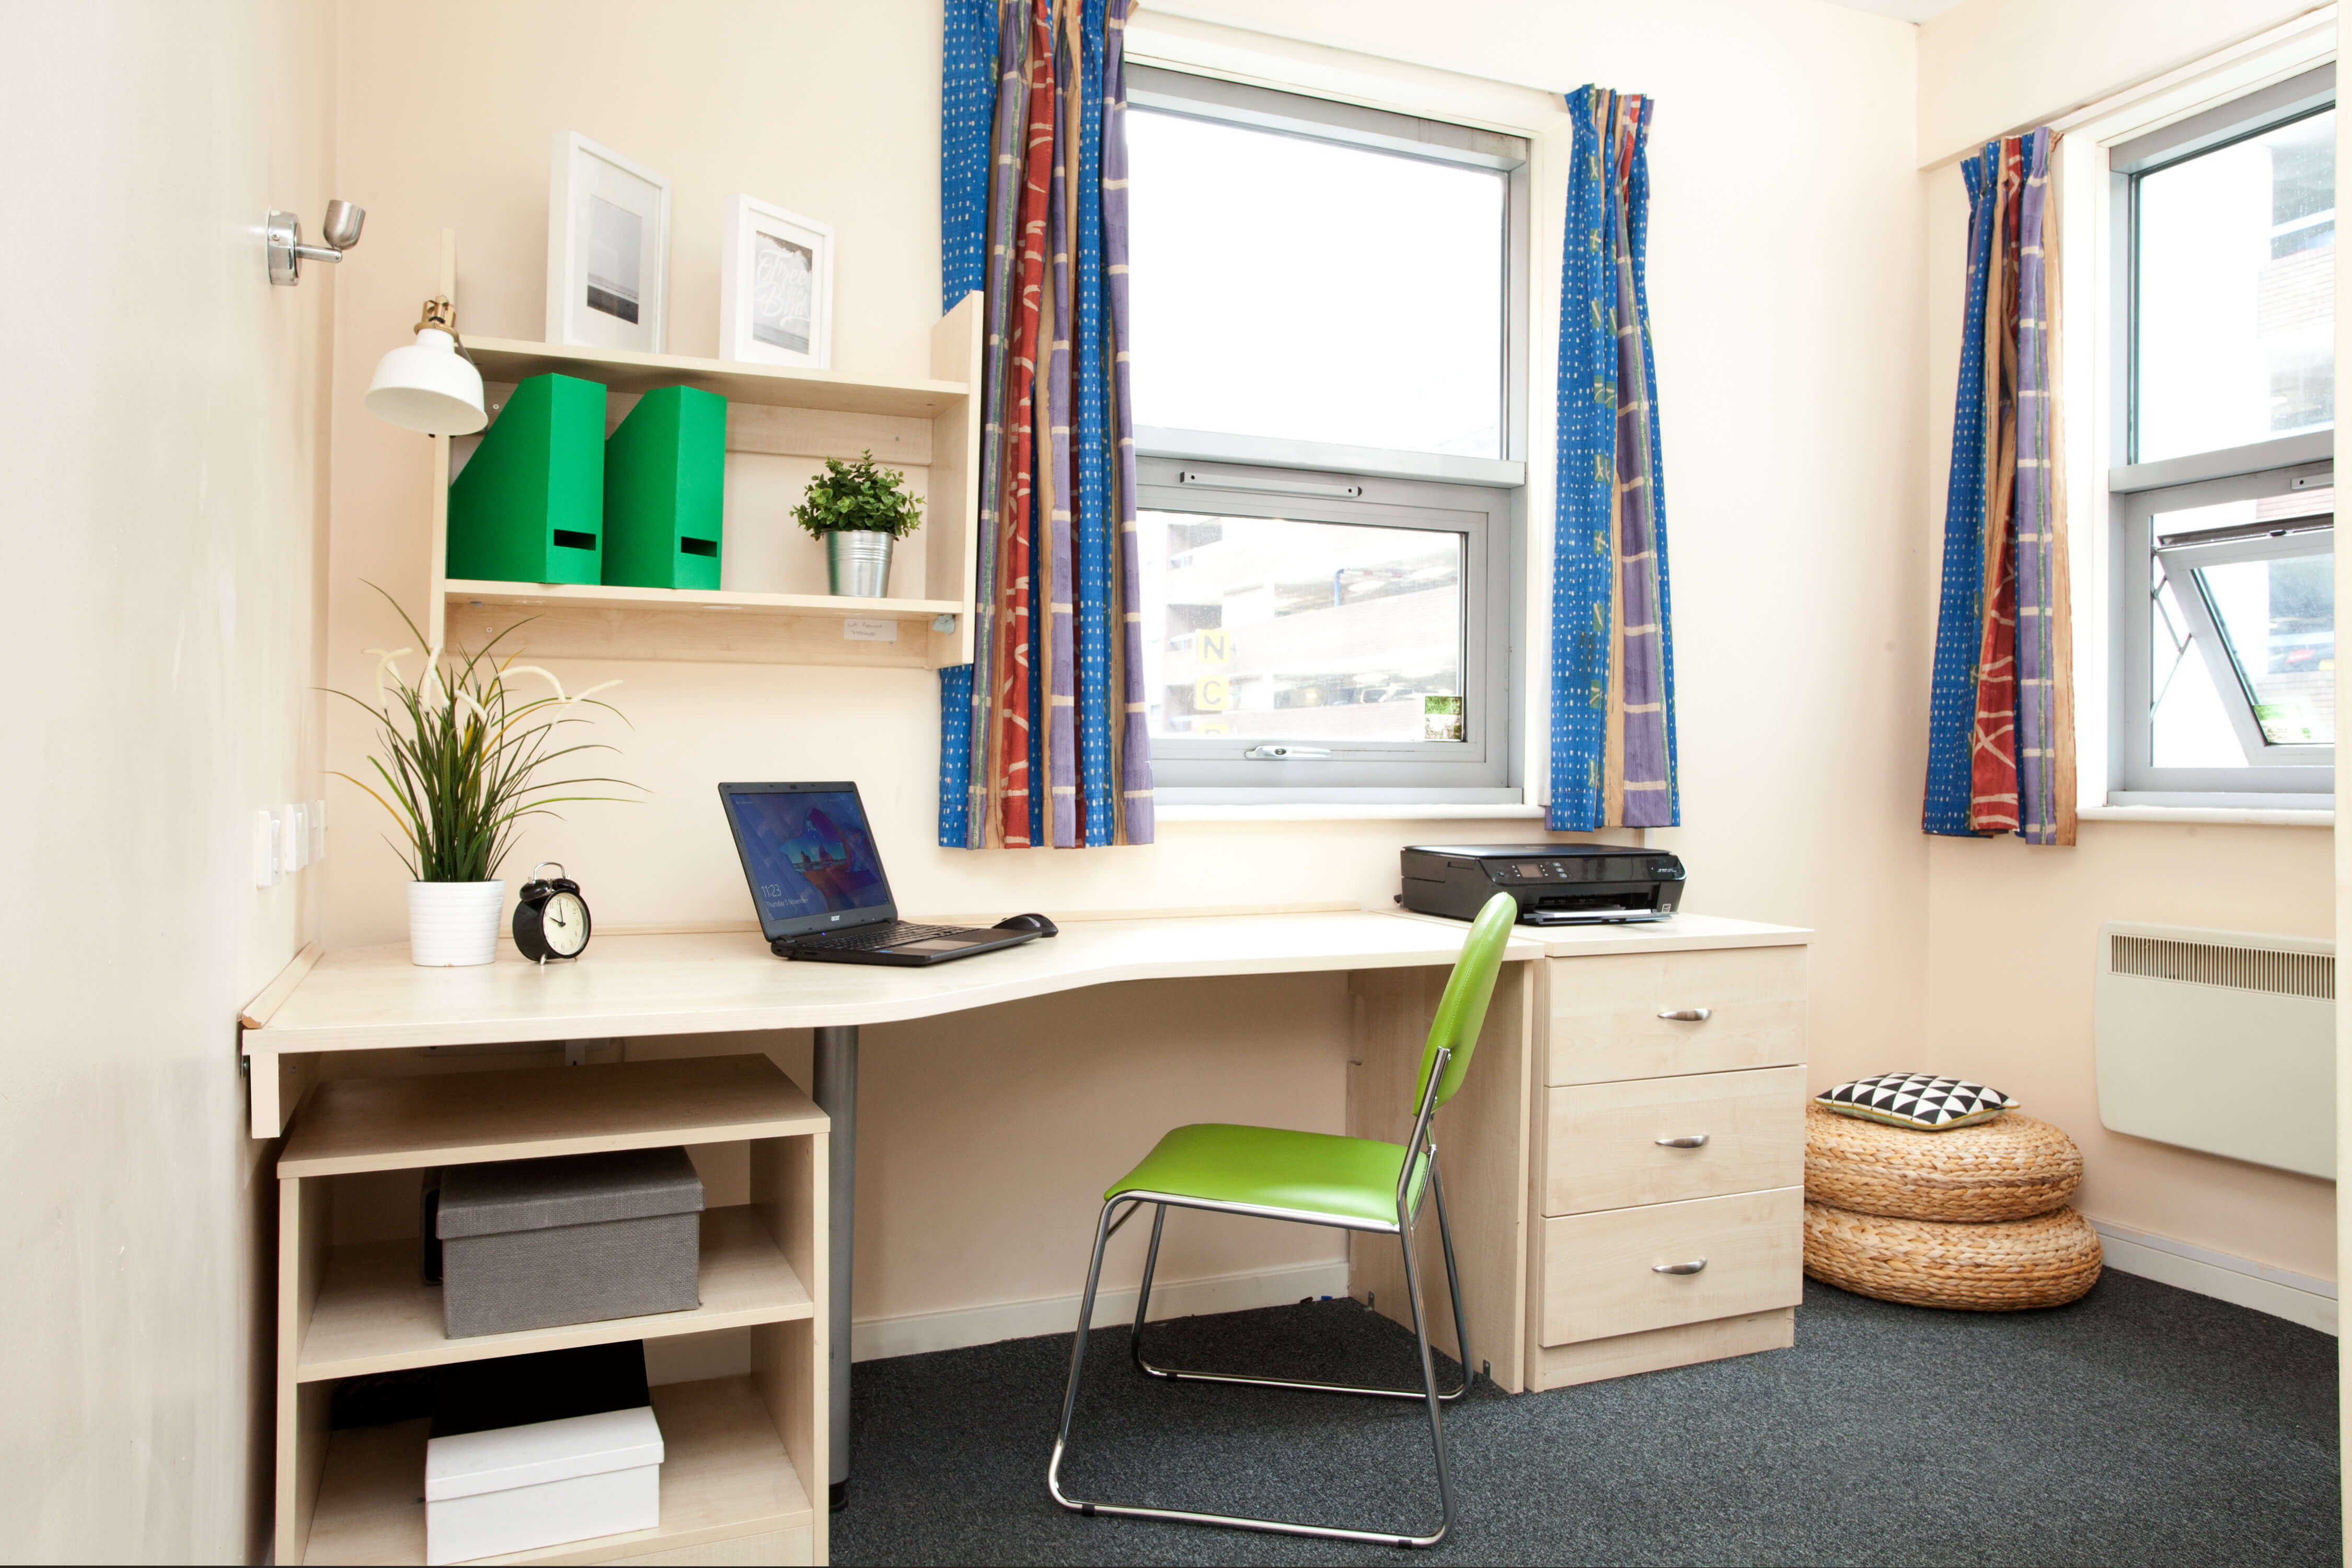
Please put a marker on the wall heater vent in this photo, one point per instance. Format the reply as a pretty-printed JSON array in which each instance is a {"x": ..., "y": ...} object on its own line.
[
  {"x": 2241, "y": 968},
  {"x": 2221, "y": 1041}
]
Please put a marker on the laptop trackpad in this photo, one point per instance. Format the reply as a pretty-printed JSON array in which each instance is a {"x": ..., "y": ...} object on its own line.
[{"x": 936, "y": 944}]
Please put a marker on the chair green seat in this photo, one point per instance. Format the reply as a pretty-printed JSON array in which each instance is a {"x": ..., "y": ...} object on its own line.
[{"x": 1346, "y": 1181}]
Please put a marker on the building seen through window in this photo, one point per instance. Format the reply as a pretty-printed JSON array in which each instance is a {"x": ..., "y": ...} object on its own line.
[{"x": 1271, "y": 628}]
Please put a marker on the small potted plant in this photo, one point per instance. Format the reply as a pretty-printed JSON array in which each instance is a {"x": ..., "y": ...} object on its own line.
[
  {"x": 859, "y": 510},
  {"x": 463, "y": 750}
]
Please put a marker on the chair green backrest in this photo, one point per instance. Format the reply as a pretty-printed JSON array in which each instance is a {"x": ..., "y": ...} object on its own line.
[{"x": 1461, "y": 1011}]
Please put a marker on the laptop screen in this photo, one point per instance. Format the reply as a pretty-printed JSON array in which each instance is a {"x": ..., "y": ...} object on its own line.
[{"x": 809, "y": 856}]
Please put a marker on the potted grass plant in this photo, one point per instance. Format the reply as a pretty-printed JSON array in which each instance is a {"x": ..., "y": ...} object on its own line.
[
  {"x": 463, "y": 755},
  {"x": 859, "y": 509}
]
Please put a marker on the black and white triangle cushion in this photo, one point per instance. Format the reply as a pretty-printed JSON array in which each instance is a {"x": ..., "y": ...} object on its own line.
[{"x": 1917, "y": 1099}]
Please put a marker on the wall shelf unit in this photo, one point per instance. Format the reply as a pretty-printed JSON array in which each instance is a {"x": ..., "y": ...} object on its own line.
[
  {"x": 739, "y": 1451},
  {"x": 929, "y": 428}
]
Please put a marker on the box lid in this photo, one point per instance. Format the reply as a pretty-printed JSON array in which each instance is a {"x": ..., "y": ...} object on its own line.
[
  {"x": 568, "y": 1189},
  {"x": 506, "y": 1457}
]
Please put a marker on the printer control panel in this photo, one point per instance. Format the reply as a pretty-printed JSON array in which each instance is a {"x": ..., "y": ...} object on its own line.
[{"x": 1613, "y": 868}]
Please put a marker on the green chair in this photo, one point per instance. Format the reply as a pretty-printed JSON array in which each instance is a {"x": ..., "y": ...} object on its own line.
[{"x": 1352, "y": 1184}]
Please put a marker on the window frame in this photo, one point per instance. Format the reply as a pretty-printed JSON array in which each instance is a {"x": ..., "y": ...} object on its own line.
[
  {"x": 2290, "y": 776},
  {"x": 1478, "y": 768},
  {"x": 1487, "y": 495},
  {"x": 2301, "y": 770}
]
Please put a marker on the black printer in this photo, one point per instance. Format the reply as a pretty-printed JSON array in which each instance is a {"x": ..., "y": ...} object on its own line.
[{"x": 1555, "y": 884}]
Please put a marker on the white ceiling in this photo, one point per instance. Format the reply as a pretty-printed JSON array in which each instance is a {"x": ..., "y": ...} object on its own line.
[{"x": 1902, "y": 10}]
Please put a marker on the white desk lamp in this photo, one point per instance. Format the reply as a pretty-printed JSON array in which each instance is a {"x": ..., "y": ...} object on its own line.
[{"x": 431, "y": 385}]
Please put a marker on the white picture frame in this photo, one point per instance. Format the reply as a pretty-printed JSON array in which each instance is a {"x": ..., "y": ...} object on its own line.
[
  {"x": 774, "y": 262},
  {"x": 607, "y": 250}
]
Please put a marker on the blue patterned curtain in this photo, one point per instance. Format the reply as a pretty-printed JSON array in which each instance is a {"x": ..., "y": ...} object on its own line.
[
  {"x": 1043, "y": 739},
  {"x": 2000, "y": 723},
  {"x": 1613, "y": 743}
]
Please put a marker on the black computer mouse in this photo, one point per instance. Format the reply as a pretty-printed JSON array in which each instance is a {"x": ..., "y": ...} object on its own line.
[{"x": 1037, "y": 924}]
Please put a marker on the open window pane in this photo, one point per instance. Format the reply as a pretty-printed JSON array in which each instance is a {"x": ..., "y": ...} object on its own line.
[
  {"x": 1318, "y": 631},
  {"x": 2187, "y": 726},
  {"x": 2278, "y": 620},
  {"x": 2235, "y": 320},
  {"x": 1311, "y": 291}
]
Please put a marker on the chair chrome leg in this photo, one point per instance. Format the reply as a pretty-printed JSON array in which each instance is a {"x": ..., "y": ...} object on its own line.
[
  {"x": 1078, "y": 1349},
  {"x": 1143, "y": 1297},
  {"x": 1428, "y": 1393},
  {"x": 1453, "y": 1285},
  {"x": 1429, "y": 1379}
]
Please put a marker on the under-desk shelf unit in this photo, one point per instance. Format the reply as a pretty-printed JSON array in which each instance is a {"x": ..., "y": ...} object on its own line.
[
  {"x": 744, "y": 1455},
  {"x": 778, "y": 411}
]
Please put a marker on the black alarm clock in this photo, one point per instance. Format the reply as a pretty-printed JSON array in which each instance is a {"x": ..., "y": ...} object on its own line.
[{"x": 552, "y": 922}]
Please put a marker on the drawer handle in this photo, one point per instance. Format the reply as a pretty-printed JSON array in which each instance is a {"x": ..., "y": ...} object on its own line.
[
  {"x": 1687, "y": 1014},
  {"x": 1691, "y": 1268},
  {"x": 1687, "y": 1141}
]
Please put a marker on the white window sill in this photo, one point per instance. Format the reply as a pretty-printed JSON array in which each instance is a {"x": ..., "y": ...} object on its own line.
[
  {"x": 2188, "y": 815},
  {"x": 1311, "y": 811}
]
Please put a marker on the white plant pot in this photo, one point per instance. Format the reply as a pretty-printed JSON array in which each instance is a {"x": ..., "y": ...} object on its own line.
[{"x": 453, "y": 923}]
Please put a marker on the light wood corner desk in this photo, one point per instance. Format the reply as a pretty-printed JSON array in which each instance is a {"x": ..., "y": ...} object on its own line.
[{"x": 1565, "y": 1192}]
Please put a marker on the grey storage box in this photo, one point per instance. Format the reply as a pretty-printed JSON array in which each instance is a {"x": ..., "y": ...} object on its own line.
[{"x": 529, "y": 1244}]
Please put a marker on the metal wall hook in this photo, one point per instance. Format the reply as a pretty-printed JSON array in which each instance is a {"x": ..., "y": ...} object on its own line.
[{"x": 282, "y": 239}]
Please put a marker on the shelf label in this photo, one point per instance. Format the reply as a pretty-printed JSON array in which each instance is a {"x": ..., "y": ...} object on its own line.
[{"x": 855, "y": 630}]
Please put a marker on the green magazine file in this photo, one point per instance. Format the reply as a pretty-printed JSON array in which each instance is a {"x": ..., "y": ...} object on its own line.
[
  {"x": 665, "y": 472},
  {"x": 529, "y": 506}
]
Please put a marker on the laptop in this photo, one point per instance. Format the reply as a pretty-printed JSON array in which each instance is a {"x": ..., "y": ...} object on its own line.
[{"x": 817, "y": 881}]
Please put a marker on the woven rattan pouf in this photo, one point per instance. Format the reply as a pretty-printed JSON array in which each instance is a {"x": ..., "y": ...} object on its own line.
[
  {"x": 1973, "y": 1218},
  {"x": 2004, "y": 1265},
  {"x": 2009, "y": 1168}
]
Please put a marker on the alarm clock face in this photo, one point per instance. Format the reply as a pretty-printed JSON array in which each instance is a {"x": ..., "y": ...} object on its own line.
[{"x": 563, "y": 924}]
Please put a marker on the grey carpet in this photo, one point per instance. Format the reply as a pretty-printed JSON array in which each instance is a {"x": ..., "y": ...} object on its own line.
[{"x": 2142, "y": 1424}]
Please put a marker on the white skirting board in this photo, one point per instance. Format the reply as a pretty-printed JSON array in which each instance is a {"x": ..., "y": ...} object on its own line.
[
  {"x": 684, "y": 1358},
  {"x": 2298, "y": 1298}
]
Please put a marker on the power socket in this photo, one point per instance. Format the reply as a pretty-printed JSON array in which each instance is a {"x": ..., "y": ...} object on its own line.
[
  {"x": 265, "y": 848},
  {"x": 294, "y": 838}
]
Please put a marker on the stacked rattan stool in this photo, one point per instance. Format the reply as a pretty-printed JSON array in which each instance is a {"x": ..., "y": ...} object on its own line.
[{"x": 1972, "y": 1217}]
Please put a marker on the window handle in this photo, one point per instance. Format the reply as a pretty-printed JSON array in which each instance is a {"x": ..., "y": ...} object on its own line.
[
  {"x": 1693, "y": 1266},
  {"x": 1286, "y": 754},
  {"x": 1687, "y": 1014},
  {"x": 1270, "y": 487},
  {"x": 1687, "y": 1141}
]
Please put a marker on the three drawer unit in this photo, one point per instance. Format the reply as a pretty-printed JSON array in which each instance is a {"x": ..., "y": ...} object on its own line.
[
  {"x": 1625, "y": 1163},
  {"x": 1668, "y": 1159}
]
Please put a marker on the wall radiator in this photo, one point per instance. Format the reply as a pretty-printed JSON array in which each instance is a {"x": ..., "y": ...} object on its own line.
[{"x": 2220, "y": 1040}]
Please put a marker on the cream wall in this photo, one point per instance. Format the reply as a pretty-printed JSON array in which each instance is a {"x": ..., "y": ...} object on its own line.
[
  {"x": 2012, "y": 932},
  {"x": 162, "y": 426},
  {"x": 1992, "y": 67},
  {"x": 1785, "y": 285}
]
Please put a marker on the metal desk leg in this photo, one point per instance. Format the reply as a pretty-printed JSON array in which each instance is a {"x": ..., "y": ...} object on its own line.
[{"x": 836, "y": 1096}]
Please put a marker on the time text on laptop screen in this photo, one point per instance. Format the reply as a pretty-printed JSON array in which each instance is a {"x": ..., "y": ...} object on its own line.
[{"x": 808, "y": 853}]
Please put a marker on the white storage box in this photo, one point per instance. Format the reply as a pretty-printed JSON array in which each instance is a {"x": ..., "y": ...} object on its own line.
[{"x": 515, "y": 1488}]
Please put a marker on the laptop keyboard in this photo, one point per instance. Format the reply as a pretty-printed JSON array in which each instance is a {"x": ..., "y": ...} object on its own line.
[{"x": 866, "y": 938}]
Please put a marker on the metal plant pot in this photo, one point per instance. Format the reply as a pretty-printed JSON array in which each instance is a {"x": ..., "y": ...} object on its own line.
[{"x": 857, "y": 562}]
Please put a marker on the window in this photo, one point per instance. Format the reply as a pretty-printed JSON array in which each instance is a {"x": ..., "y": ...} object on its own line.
[
  {"x": 2225, "y": 613},
  {"x": 1328, "y": 373}
]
